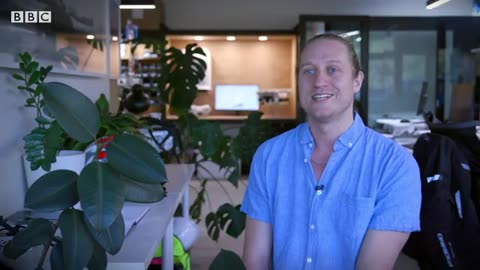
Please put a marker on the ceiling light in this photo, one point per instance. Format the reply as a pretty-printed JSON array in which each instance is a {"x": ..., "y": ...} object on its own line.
[
  {"x": 231, "y": 38},
  {"x": 263, "y": 38},
  {"x": 199, "y": 38},
  {"x": 435, "y": 3},
  {"x": 137, "y": 4},
  {"x": 90, "y": 36},
  {"x": 114, "y": 38}
]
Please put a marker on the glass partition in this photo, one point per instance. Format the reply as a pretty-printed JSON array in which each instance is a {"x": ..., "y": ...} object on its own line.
[{"x": 398, "y": 68}]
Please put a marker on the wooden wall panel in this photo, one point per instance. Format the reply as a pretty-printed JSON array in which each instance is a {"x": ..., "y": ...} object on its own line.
[{"x": 268, "y": 64}]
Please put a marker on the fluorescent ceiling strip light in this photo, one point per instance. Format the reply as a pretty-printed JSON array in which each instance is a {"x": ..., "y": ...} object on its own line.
[
  {"x": 431, "y": 4},
  {"x": 137, "y": 6}
]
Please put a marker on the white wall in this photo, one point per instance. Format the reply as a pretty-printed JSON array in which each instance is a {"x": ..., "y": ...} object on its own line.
[
  {"x": 16, "y": 121},
  {"x": 283, "y": 14}
]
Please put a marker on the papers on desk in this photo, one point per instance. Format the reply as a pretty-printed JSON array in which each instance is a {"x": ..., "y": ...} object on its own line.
[
  {"x": 132, "y": 214},
  {"x": 397, "y": 127}
]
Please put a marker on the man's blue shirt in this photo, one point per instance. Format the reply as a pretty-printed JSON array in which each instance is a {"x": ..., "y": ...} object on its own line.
[{"x": 370, "y": 182}]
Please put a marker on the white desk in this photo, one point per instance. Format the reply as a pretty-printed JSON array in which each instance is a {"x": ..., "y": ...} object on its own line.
[{"x": 144, "y": 238}]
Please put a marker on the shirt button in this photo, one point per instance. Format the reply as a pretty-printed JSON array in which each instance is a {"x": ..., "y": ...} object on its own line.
[
  {"x": 350, "y": 144},
  {"x": 310, "y": 145},
  {"x": 309, "y": 260},
  {"x": 312, "y": 227},
  {"x": 305, "y": 160},
  {"x": 319, "y": 192}
]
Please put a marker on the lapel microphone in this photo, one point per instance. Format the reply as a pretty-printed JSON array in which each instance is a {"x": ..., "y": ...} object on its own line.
[{"x": 319, "y": 187}]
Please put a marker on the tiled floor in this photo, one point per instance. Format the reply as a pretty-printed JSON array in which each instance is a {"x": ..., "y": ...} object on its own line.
[{"x": 205, "y": 249}]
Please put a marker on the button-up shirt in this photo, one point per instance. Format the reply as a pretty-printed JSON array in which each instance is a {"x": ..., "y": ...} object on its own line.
[{"x": 369, "y": 182}]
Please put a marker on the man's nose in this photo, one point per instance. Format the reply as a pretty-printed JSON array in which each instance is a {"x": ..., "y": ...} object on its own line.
[{"x": 321, "y": 79}]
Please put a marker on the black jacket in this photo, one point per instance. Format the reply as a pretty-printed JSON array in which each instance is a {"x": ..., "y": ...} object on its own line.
[{"x": 450, "y": 232}]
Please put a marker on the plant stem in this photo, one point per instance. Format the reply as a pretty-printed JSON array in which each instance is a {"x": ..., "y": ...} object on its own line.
[
  {"x": 217, "y": 181},
  {"x": 46, "y": 247}
]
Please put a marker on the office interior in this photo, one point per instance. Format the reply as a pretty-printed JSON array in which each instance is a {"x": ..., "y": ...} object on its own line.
[{"x": 416, "y": 60}]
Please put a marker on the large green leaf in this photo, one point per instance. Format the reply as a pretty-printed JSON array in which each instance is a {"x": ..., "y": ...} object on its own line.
[
  {"x": 136, "y": 159},
  {"x": 213, "y": 226},
  {"x": 143, "y": 193},
  {"x": 227, "y": 259},
  {"x": 184, "y": 71},
  {"x": 111, "y": 239},
  {"x": 41, "y": 147},
  {"x": 231, "y": 219},
  {"x": 102, "y": 194},
  {"x": 39, "y": 232},
  {"x": 77, "y": 242},
  {"x": 56, "y": 257},
  {"x": 53, "y": 142},
  {"x": 98, "y": 260},
  {"x": 227, "y": 217},
  {"x": 75, "y": 112},
  {"x": 53, "y": 191}
]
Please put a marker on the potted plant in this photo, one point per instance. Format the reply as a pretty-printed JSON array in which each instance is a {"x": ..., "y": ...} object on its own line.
[
  {"x": 47, "y": 147},
  {"x": 101, "y": 187},
  {"x": 44, "y": 143}
]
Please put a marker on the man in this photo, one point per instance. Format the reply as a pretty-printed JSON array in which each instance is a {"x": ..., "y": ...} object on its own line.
[{"x": 331, "y": 193}]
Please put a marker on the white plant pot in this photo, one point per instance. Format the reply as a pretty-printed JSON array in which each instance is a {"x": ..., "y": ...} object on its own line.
[{"x": 72, "y": 160}]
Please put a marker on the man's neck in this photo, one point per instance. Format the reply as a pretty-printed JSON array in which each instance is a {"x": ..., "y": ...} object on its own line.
[{"x": 325, "y": 134}]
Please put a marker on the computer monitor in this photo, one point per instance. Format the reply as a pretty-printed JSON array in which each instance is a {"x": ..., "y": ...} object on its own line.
[{"x": 237, "y": 97}]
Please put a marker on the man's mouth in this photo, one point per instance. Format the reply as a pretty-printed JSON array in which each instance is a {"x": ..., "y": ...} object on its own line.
[{"x": 321, "y": 96}]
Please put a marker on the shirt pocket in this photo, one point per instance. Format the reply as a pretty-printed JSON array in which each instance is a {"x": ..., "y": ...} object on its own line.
[{"x": 352, "y": 217}]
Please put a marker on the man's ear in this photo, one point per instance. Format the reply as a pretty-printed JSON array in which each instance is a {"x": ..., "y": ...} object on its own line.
[{"x": 357, "y": 82}]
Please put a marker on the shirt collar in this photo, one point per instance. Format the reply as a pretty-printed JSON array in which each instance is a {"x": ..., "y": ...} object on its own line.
[{"x": 348, "y": 138}]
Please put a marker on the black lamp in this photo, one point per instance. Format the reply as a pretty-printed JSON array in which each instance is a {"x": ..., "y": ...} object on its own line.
[
  {"x": 136, "y": 102},
  {"x": 431, "y": 4}
]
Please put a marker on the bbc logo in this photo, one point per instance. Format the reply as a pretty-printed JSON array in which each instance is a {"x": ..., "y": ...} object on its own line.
[{"x": 31, "y": 17}]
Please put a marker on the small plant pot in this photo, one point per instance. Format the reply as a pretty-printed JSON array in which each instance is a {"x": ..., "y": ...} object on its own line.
[{"x": 72, "y": 160}]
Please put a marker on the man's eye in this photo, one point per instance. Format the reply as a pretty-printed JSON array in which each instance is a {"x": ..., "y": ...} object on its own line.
[
  {"x": 309, "y": 71},
  {"x": 332, "y": 69}
]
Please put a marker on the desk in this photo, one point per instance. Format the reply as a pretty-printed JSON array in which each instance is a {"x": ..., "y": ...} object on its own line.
[
  {"x": 143, "y": 240},
  {"x": 397, "y": 127}
]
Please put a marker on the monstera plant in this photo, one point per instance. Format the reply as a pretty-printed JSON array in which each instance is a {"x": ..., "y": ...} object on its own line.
[
  {"x": 181, "y": 71},
  {"x": 132, "y": 171}
]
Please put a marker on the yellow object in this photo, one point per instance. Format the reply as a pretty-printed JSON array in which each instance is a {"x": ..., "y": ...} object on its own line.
[{"x": 180, "y": 255}]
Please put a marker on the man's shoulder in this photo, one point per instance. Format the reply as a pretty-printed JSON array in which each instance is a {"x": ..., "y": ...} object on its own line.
[{"x": 385, "y": 146}]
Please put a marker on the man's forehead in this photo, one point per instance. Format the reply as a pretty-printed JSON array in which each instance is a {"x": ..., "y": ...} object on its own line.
[{"x": 327, "y": 51}]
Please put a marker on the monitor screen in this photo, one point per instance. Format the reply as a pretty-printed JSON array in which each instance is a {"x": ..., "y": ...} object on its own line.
[{"x": 237, "y": 97}]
